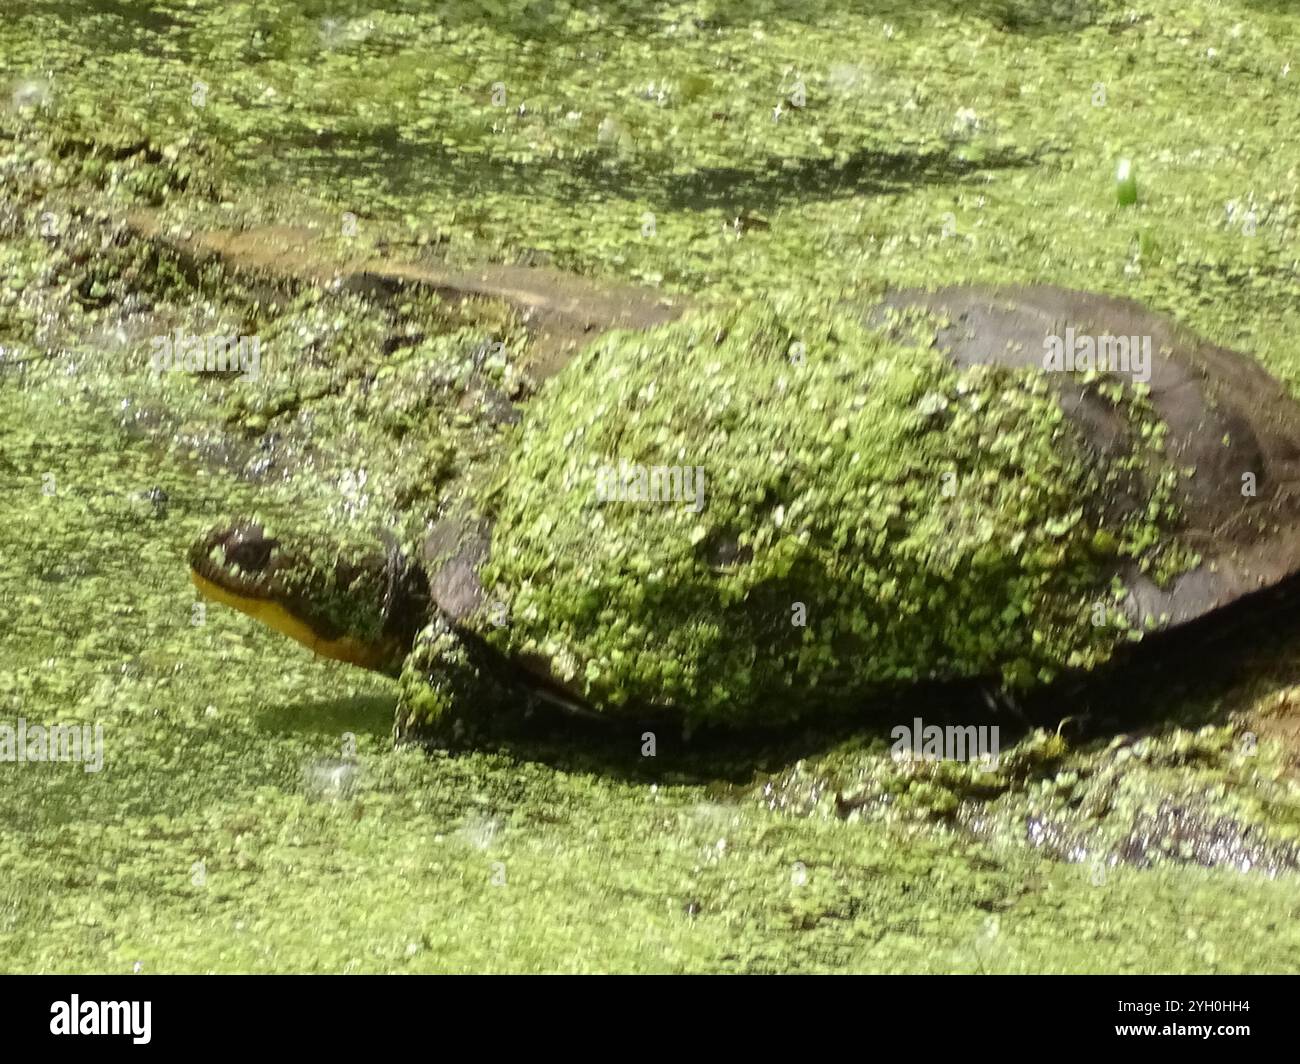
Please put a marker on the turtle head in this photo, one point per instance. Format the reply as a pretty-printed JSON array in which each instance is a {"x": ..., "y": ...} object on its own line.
[{"x": 362, "y": 605}]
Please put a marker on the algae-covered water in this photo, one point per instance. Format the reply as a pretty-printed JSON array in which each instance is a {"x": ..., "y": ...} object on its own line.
[{"x": 251, "y": 812}]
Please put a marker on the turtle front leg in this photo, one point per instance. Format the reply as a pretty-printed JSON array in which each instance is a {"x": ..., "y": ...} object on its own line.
[{"x": 450, "y": 689}]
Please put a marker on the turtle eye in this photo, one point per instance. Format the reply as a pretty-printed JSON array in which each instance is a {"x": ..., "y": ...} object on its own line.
[{"x": 252, "y": 554}]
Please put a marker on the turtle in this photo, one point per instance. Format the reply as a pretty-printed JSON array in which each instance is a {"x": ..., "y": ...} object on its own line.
[{"x": 772, "y": 509}]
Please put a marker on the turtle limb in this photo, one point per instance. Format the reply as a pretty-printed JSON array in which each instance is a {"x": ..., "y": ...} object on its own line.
[{"x": 451, "y": 690}]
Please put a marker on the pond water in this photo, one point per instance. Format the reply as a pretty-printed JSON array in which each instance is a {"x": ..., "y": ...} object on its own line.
[{"x": 252, "y": 812}]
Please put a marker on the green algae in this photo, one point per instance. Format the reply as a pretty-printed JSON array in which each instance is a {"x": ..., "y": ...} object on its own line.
[
  {"x": 216, "y": 732},
  {"x": 208, "y": 844},
  {"x": 379, "y": 396},
  {"x": 863, "y": 515},
  {"x": 1207, "y": 796},
  {"x": 909, "y": 118}
]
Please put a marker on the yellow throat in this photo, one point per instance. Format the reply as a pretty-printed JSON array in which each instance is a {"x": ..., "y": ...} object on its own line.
[{"x": 273, "y": 615}]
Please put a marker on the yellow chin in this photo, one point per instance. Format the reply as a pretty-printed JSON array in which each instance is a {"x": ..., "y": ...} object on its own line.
[{"x": 368, "y": 655}]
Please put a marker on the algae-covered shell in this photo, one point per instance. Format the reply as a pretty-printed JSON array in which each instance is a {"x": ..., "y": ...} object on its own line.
[
  {"x": 1231, "y": 427},
  {"x": 916, "y": 497}
]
